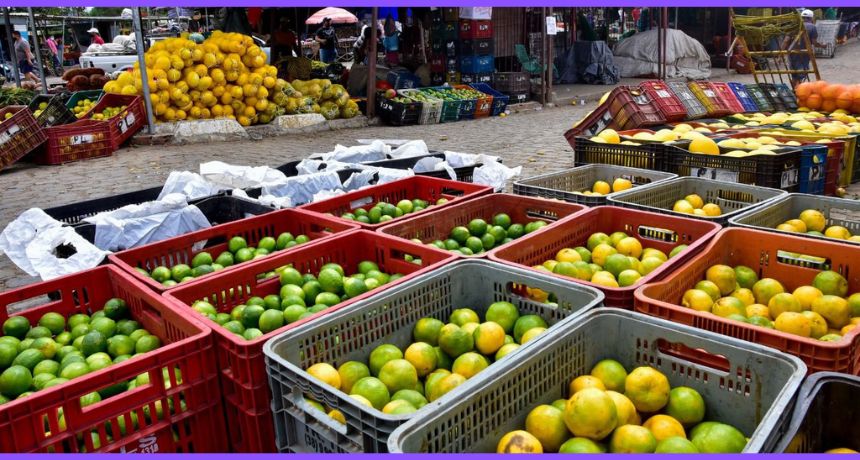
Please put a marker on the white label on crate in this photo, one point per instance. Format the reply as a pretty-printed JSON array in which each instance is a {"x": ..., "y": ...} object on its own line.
[
  {"x": 360, "y": 202},
  {"x": 9, "y": 134},
  {"x": 642, "y": 99},
  {"x": 724, "y": 175},
  {"x": 82, "y": 139},
  {"x": 385, "y": 105},
  {"x": 709, "y": 93},
  {"x": 789, "y": 178},
  {"x": 816, "y": 172},
  {"x": 146, "y": 445},
  {"x": 663, "y": 93},
  {"x": 743, "y": 93}
]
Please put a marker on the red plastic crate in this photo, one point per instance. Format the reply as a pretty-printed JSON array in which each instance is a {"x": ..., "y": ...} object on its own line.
[
  {"x": 81, "y": 140},
  {"x": 187, "y": 346},
  {"x": 651, "y": 229},
  {"x": 437, "y": 225},
  {"x": 834, "y": 169},
  {"x": 410, "y": 188},
  {"x": 19, "y": 135},
  {"x": 728, "y": 96},
  {"x": 471, "y": 29},
  {"x": 632, "y": 108},
  {"x": 593, "y": 123},
  {"x": 760, "y": 250},
  {"x": 483, "y": 105},
  {"x": 669, "y": 104},
  {"x": 243, "y": 371},
  {"x": 126, "y": 123},
  {"x": 437, "y": 63},
  {"x": 181, "y": 249}
]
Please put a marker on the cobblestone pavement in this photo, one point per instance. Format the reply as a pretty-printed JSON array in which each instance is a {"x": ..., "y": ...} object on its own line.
[{"x": 532, "y": 140}]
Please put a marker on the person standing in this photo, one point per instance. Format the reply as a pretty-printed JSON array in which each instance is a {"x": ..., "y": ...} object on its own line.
[
  {"x": 327, "y": 39},
  {"x": 285, "y": 41},
  {"x": 55, "y": 56},
  {"x": 391, "y": 41},
  {"x": 801, "y": 61},
  {"x": 24, "y": 57},
  {"x": 96, "y": 38},
  {"x": 195, "y": 26}
]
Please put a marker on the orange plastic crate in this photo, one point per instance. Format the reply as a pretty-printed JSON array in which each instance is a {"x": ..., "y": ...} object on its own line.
[
  {"x": 651, "y": 229},
  {"x": 759, "y": 250}
]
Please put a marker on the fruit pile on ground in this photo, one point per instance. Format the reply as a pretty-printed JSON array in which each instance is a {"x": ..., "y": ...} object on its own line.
[
  {"x": 822, "y": 311},
  {"x": 224, "y": 77},
  {"x": 384, "y": 212},
  {"x": 440, "y": 358},
  {"x": 300, "y": 296},
  {"x": 694, "y": 204},
  {"x": 813, "y": 222},
  {"x": 314, "y": 96},
  {"x": 616, "y": 260},
  {"x": 601, "y": 188},
  {"x": 59, "y": 349},
  {"x": 616, "y": 412},
  {"x": 479, "y": 236},
  {"x": 237, "y": 252},
  {"x": 108, "y": 113},
  {"x": 828, "y": 97},
  {"x": 83, "y": 107}
]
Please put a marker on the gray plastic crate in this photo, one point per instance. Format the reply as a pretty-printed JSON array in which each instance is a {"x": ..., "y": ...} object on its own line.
[
  {"x": 731, "y": 197},
  {"x": 752, "y": 389},
  {"x": 823, "y": 418},
  {"x": 837, "y": 211},
  {"x": 695, "y": 108},
  {"x": 353, "y": 333},
  {"x": 562, "y": 185}
]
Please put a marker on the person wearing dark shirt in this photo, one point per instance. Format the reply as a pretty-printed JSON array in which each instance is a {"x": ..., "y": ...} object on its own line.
[
  {"x": 194, "y": 25},
  {"x": 327, "y": 39},
  {"x": 285, "y": 41},
  {"x": 800, "y": 61}
]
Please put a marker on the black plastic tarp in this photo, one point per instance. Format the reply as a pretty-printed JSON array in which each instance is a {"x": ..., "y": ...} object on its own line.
[{"x": 588, "y": 62}]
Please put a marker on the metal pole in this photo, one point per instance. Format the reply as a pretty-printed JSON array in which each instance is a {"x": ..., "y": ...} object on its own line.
[
  {"x": 139, "y": 39},
  {"x": 371, "y": 64},
  {"x": 38, "y": 52},
  {"x": 12, "y": 55},
  {"x": 543, "y": 58},
  {"x": 549, "y": 63}
]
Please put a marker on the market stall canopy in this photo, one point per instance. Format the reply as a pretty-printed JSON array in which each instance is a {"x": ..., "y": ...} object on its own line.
[
  {"x": 685, "y": 56},
  {"x": 337, "y": 15}
]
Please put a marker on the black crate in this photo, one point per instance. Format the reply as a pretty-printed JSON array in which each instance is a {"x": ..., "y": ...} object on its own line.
[
  {"x": 477, "y": 46},
  {"x": 772, "y": 94},
  {"x": 451, "y": 63},
  {"x": 437, "y": 78},
  {"x": 76, "y": 212},
  {"x": 518, "y": 97},
  {"x": 464, "y": 174},
  {"x": 56, "y": 113},
  {"x": 823, "y": 418},
  {"x": 451, "y": 48},
  {"x": 645, "y": 156},
  {"x": 511, "y": 82},
  {"x": 470, "y": 78},
  {"x": 397, "y": 113}
]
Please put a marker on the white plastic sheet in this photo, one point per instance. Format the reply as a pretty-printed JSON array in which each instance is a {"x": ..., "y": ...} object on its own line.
[
  {"x": 235, "y": 176},
  {"x": 21, "y": 232},
  {"x": 190, "y": 184},
  {"x": 495, "y": 174},
  {"x": 301, "y": 189},
  {"x": 59, "y": 251}
]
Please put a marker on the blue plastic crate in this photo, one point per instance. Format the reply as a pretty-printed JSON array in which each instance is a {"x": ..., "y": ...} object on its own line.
[
  {"x": 746, "y": 100},
  {"x": 403, "y": 80},
  {"x": 477, "y": 64},
  {"x": 813, "y": 169},
  {"x": 500, "y": 101}
]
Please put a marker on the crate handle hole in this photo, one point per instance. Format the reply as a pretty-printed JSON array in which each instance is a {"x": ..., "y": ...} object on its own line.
[
  {"x": 803, "y": 260},
  {"x": 657, "y": 234},
  {"x": 318, "y": 415},
  {"x": 530, "y": 294},
  {"x": 693, "y": 355},
  {"x": 542, "y": 214}
]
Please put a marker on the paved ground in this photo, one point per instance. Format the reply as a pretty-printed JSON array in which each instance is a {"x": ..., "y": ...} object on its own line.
[{"x": 533, "y": 140}]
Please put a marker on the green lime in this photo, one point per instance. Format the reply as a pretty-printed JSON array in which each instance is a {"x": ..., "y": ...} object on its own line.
[
  {"x": 292, "y": 300},
  {"x": 330, "y": 281},
  {"x": 451, "y": 244},
  {"x": 235, "y": 327},
  {"x": 40, "y": 380},
  {"x": 161, "y": 274},
  {"x": 427, "y": 330},
  {"x": 460, "y": 235},
  {"x": 46, "y": 345},
  {"x": 120, "y": 345},
  {"x": 462, "y": 316},
  {"x": 504, "y": 314},
  {"x": 48, "y": 366},
  {"x": 498, "y": 233},
  {"x": 488, "y": 241},
  {"x": 535, "y": 225},
  {"x": 283, "y": 240},
  {"x": 24, "y": 344},
  {"x": 74, "y": 370},
  {"x": 142, "y": 272},
  {"x": 477, "y": 227},
  {"x": 354, "y": 287},
  {"x": 147, "y": 343},
  {"x": 201, "y": 306},
  {"x": 236, "y": 243},
  {"x": 327, "y": 298},
  {"x": 251, "y": 315},
  {"x": 64, "y": 351},
  {"x": 515, "y": 231},
  {"x": 63, "y": 338},
  {"x": 366, "y": 266},
  {"x": 138, "y": 334},
  {"x": 475, "y": 244},
  {"x": 293, "y": 312},
  {"x": 374, "y": 214},
  {"x": 127, "y": 326},
  {"x": 14, "y": 381},
  {"x": 381, "y": 355},
  {"x": 54, "y": 322},
  {"x": 202, "y": 270},
  {"x": 77, "y": 318},
  {"x": 272, "y": 302},
  {"x": 105, "y": 325},
  {"x": 291, "y": 276},
  {"x": 317, "y": 308},
  {"x": 379, "y": 276},
  {"x": 202, "y": 258},
  {"x": 252, "y": 333},
  {"x": 256, "y": 300},
  {"x": 225, "y": 259},
  {"x": 178, "y": 272},
  {"x": 311, "y": 289},
  {"x": 243, "y": 255},
  {"x": 502, "y": 220},
  {"x": 98, "y": 361},
  {"x": 93, "y": 342},
  {"x": 268, "y": 243},
  {"x": 389, "y": 209},
  {"x": 271, "y": 320},
  {"x": 29, "y": 358},
  {"x": 526, "y": 322},
  {"x": 293, "y": 290},
  {"x": 406, "y": 206},
  {"x": 39, "y": 331},
  {"x": 302, "y": 239},
  {"x": 8, "y": 352},
  {"x": 222, "y": 318}
]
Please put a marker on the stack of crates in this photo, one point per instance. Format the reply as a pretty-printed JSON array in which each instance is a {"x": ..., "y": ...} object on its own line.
[
  {"x": 444, "y": 47},
  {"x": 513, "y": 84},
  {"x": 476, "y": 61}
]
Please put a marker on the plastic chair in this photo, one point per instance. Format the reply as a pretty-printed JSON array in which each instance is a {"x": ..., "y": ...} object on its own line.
[{"x": 530, "y": 64}]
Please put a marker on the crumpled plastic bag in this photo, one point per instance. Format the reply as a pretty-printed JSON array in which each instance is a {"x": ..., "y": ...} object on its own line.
[
  {"x": 234, "y": 176},
  {"x": 190, "y": 184},
  {"x": 266, "y": 200},
  {"x": 429, "y": 164},
  {"x": 301, "y": 189},
  {"x": 375, "y": 151},
  {"x": 59, "y": 251},
  {"x": 495, "y": 174},
  {"x": 459, "y": 160},
  {"x": 326, "y": 194},
  {"x": 21, "y": 232},
  {"x": 410, "y": 149},
  {"x": 311, "y": 166},
  {"x": 139, "y": 224}
]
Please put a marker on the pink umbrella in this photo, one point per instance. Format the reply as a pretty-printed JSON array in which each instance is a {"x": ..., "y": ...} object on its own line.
[{"x": 337, "y": 15}]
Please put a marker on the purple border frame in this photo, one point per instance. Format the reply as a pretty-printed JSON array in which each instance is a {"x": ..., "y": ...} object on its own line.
[{"x": 447, "y": 3}]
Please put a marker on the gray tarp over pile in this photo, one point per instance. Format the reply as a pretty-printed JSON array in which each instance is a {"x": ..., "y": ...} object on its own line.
[
  {"x": 685, "y": 56},
  {"x": 588, "y": 62}
]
